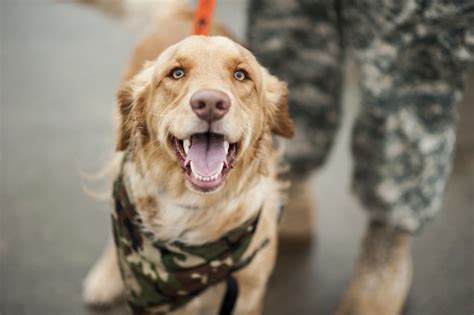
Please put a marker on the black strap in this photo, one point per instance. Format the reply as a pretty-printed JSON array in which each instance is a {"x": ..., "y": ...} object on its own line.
[
  {"x": 232, "y": 291},
  {"x": 231, "y": 295},
  {"x": 246, "y": 261}
]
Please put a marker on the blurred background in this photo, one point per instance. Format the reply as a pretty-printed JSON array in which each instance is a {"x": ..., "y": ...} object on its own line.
[{"x": 60, "y": 65}]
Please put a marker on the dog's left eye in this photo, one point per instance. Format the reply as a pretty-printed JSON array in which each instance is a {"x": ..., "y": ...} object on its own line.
[
  {"x": 240, "y": 75},
  {"x": 177, "y": 73}
]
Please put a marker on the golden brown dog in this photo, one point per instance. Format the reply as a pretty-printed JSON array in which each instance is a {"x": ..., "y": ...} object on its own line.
[{"x": 196, "y": 116}]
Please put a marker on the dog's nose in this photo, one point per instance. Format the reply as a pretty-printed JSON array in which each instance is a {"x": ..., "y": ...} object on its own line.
[{"x": 210, "y": 105}]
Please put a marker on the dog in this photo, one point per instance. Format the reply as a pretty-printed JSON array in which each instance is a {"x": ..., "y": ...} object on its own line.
[{"x": 197, "y": 117}]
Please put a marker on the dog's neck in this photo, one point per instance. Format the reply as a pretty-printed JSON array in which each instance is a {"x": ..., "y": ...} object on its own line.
[{"x": 172, "y": 212}]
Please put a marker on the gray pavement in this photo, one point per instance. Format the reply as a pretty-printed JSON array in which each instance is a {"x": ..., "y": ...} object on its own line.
[{"x": 60, "y": 66}]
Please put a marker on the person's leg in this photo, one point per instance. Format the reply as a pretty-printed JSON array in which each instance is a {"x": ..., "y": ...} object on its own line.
[
  {"x": 414, "y": 59},
  {"x": 299, "y": 41}
]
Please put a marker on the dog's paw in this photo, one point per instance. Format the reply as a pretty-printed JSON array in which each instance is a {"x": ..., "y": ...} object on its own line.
[{"x": 102, "y": 286}]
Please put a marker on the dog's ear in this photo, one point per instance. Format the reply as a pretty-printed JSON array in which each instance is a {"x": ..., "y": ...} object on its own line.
[
  {"x": 276, "y": 92},
  {"x": 124, "y": 108},
  {"x": 131, "y": 106}
]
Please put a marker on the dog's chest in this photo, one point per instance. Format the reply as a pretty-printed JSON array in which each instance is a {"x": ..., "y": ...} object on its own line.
[{"x": 191, "y": 218}]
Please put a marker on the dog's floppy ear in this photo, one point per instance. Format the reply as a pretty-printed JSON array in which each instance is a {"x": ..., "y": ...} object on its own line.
[
  {"x": 276, "y": 92},
  {"x": 124, "y": 108},
  {"x": 131, "y": 102}
]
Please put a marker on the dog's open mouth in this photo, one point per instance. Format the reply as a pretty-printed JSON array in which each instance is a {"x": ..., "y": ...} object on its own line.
[{"x": 206, "y": 159}]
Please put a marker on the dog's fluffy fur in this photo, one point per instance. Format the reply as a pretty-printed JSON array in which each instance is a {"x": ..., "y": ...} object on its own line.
[{"x": 154, "y": 108}]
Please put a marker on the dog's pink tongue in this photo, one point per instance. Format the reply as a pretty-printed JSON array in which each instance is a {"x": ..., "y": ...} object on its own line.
[{"x": 206, "y": 153}]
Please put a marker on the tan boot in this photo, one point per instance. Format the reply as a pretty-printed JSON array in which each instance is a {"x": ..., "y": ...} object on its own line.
[
  {"x": 297, "y": 223},
  {"x": 382, "y": 276}
]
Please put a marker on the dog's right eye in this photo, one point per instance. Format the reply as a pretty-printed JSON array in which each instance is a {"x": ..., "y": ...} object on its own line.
[
  {"x": 240, "y": 75},
  {"x": 177, "y": 73}
]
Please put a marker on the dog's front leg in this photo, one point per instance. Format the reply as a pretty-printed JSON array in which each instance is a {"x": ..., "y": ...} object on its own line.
[
  {"x": 103, "y": 284},
  {"x": 250, "y": 299},
  {"x": 253, "y": 281}
]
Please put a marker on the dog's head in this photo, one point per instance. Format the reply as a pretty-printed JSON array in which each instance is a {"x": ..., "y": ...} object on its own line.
[{"x": 205, "y": 104}]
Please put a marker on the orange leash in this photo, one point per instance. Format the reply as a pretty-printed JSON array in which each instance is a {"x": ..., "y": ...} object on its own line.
[{"x": 203, "y": 17}]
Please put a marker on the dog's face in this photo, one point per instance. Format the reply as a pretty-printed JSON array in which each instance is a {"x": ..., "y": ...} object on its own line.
[{"x": 207, "y": 103}]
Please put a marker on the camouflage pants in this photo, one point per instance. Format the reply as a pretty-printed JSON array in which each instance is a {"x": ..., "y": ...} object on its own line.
[{"x": 413, "y": 57}]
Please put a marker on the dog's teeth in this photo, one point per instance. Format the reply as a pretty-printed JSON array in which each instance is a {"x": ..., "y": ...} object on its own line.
[
  {"x": 206, "y": 178},
  {"x": 226, "y": 147},
  {"x": 196, "y": 176},
  {"x": 186, "y": 145}
]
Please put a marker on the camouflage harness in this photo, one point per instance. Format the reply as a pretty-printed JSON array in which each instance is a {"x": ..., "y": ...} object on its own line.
[{"x": 162, "y": 276}]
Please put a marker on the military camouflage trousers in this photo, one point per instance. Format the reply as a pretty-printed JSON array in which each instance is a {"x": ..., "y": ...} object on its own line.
[{"x": 413, "y": 57}]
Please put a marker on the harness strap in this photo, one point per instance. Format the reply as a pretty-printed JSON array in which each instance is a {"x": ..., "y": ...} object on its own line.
[
  {"x": 231, "y": 295},
  {"x": 232, "y": 290},
  {"x": 203, "y": 17},
  {"x": 244, "y": 262}
]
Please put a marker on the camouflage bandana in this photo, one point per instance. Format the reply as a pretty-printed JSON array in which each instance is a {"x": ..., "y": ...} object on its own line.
[{"x": 162, "y": 276}]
